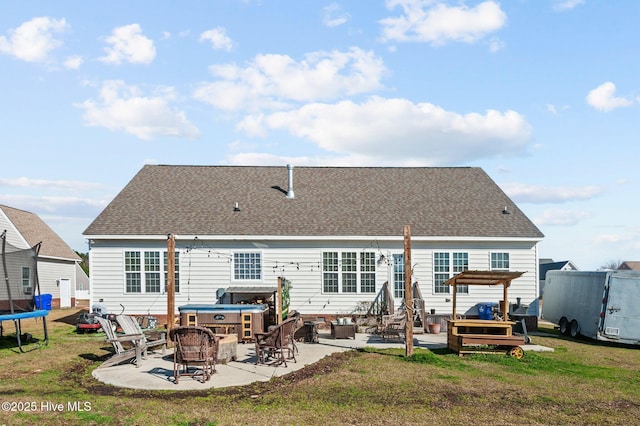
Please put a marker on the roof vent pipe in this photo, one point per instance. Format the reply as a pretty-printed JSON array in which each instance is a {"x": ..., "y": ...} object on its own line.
[{"x": 290, "y": 193}]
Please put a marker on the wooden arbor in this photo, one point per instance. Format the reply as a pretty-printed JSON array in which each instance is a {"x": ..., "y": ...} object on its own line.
[{"x": 466, "y": 336}]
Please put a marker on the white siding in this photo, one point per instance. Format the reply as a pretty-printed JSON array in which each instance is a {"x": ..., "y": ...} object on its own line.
[
  {"x": 207, "y": 266},
  {"x": 49, "y": 274}
]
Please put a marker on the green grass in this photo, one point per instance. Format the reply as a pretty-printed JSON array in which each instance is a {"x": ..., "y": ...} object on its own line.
[{"x": 581, "y": 382}]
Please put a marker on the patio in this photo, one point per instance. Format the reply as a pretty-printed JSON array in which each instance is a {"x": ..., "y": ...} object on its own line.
[{"x": 156, "y": 372}]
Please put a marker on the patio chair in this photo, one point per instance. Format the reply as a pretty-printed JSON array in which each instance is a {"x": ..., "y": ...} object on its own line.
[
  {"x": 194, "y": 346},
  {"x": 130, "y": 326},
  {"x": 122, "y": 354},
  {"x": 277, "y": 342},
  {"x": 393, "y": 326}
]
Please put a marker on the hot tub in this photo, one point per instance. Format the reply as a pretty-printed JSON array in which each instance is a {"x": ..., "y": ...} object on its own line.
[{"x": 243, "y": 320}]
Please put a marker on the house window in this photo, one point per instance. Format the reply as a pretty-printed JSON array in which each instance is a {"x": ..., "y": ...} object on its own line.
[
  {"x": 398, "y": 276},
  {"x": 330, "y": 272},
  {"x": 247, "y": 266},
  {"x": 176, "y": 268},
  {"x": 499, "y": 261},
  {"x": 446, "y": 265},
  {"x": 461, "y": 264},
  {"x": 152, "y": 273},
  {"x": 27, "y": 288},
  {"x": 367, "y": 272},
  {"x": 347, "y": 272},
  {"x": 132, "y": 272},
  {"x": 441, "y": 270}
]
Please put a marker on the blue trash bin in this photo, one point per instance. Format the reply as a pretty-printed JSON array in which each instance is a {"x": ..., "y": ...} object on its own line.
[
  {"x": 43, "y": 301},
  {"x": 484, "y": 311}
]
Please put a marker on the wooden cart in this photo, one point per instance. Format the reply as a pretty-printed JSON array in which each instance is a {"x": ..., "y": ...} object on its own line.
[{"x": 465, "y": 336}]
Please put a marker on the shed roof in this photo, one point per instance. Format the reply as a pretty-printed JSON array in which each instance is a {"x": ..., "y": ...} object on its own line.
[
  {"x": 329, "y": 201},
  {"x": 631, "y": 265},
  {"x": 484, "y": 278},
  {"x": 34, "y": 230}
]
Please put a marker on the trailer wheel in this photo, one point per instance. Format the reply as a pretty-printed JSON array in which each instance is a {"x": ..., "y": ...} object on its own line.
[
  {"x": 564, "y": 326},
  {"x": 516, "y": 352},
  {"x": 574, "y": 328}
]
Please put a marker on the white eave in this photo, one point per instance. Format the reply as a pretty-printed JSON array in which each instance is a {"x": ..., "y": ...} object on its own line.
[{"x": 398, "y": 237}]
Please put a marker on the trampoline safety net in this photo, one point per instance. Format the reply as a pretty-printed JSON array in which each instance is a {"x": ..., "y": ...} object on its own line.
[{"x": 21, "y": 289}]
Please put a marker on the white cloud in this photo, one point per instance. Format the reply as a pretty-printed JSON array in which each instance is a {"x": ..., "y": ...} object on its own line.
[
  {"x": 128, "y": 44},
  {"x": 604, "y": 98},
  {"x": 436, "y": 23},
  {"x": 557, "y": 217},
  {"x": 218, "y": 38},
  {"x": 266, "y": 159},
  {"x": 555, "y": 110},
  {"x": 273, "y": 81},
  {"x": 60, "y": 205},
  {"x": 495, "y": 44},
  {"x": 552, "y": 109},
  {"x": 73, "y": 62},
  {"x": 399, "y": 130},
  {"x": 562, "y": 5},
  {"x": 524, "y": 193},
  {"x": 614, "y": 238},
  {"x": 66, "y": 185},
  {"x": 334, "y": 16},
  {"x": 33, "y": 40},
  {"x": 125, "y": 108}
]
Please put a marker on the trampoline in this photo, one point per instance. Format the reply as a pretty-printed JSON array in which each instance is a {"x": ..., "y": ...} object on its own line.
[{"x": 20, "y": 268}]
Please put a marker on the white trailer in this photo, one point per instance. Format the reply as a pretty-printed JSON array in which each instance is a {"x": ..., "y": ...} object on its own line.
[{"x": 602, "y": 305}]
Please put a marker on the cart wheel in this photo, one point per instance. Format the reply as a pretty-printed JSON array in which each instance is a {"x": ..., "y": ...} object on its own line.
[
  {"x": 516, "y": 352},
  {"x": 574, "y": 329},
  {"x": 564, "y": 326}
]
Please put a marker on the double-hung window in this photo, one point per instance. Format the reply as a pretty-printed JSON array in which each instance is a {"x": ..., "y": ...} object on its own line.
[
  {"x": 447, "y": 265},
  {"x": 247, "y": 266},
  {"x": 151, "y": 272},
  {"x": 330, "y": 272},
  {"x": 132, "y": 272},
  {"x": 145, "y": 272},
  {"x": 398, "y": 276},
  {"x": 348, "y": 272},
  {"x": 499, "y": 261},
  {"x": 367, "y": 272},
  {"x": 27, "y": 288}
]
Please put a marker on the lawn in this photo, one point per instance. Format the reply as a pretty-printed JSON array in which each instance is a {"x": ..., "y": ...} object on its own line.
[{"x": 581, "y": 382}]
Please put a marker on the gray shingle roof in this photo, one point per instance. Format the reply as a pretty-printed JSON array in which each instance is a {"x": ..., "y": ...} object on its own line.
[
  {"x": 329, "y": 201},
  {"x": 34, "y": 230}
]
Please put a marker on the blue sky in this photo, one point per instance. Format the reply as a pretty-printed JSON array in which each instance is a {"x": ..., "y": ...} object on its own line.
[{"x": 544, "y": 95}]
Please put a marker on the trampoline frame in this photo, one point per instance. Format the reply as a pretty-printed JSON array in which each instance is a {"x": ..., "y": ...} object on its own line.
[{"x": 18, "y": 317}]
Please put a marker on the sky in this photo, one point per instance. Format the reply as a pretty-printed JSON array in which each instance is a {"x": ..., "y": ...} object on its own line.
[{"x": 543, "y": 95}]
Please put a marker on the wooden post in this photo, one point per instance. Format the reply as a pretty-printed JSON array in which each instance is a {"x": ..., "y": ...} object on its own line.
[
  {"x": 408, "y": 296},
  {"x": 171, "y": 281},
  {"x": 505, "y": 301},
  {"x": 455, "y": 294},
  {"x": 279, "y": 302}
]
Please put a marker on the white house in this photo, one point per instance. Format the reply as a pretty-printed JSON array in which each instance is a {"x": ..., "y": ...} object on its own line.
[
  {"x": 335, "y": 232},
  {"x": 57, "y": 262}
]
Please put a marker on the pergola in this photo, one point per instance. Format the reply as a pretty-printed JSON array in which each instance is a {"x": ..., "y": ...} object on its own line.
[{"x": 484, "y": 278}]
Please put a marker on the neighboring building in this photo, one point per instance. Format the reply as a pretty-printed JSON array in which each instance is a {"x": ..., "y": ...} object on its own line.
[
  {"x": 547, "y": 265},
  {"x": 335, "y": 232},
  {"x": 57, "y": 262},
  {"x": 630, "y": 266}
]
